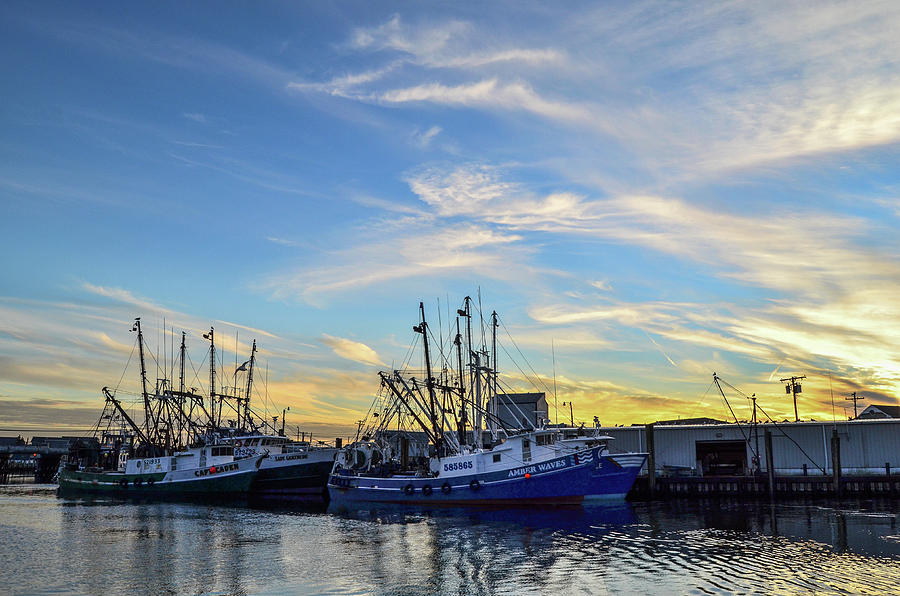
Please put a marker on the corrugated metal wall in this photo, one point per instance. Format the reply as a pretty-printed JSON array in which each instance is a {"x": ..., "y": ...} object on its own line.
[{"x": 866, "y": 445}]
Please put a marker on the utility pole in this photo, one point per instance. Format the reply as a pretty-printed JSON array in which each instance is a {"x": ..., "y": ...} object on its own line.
[
  {"x": 793, "y": 387},
  {"x": 853, "y": 397}
]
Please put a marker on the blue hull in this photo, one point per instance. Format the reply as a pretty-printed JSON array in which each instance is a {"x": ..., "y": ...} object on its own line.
[{"x": 568, "y": 480}]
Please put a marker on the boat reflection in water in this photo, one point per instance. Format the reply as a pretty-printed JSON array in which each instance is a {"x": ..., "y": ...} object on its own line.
[{"x": 84, "y": 546}]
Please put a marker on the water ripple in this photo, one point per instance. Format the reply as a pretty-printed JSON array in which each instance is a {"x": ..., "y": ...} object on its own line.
[{"x": 681, "y": 548}]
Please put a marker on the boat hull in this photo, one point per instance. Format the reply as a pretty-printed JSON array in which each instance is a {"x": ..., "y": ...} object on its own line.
[
  {"x": 615, "y": 475},
  {"x": 230, "y": 479},
  {"x": 304, "y": 479},
  {"x": 567, "y": 480}
]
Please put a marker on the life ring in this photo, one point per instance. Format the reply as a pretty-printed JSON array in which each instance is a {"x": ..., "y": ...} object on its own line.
[
  {"x": 445, "y": 488},
  {"x": 475, "y": 485},
  {"x": 123, "y": 483},
  {"x": 239, "y": 443},
  {"x": 426, "y": 490},
  {"x": 409, "y": 489},
  {"x": 138, "y": 481},
  {"x": 150, "y": 481}
]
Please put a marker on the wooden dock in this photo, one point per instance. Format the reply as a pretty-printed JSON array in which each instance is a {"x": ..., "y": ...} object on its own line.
[{"x": 756, "y": 487}]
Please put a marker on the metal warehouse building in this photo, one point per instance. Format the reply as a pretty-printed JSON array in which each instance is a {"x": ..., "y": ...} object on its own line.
[{"x": 866, "y": 447}]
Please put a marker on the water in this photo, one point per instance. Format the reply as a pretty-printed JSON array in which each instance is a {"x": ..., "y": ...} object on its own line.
[{"x": 55, "y": 546}]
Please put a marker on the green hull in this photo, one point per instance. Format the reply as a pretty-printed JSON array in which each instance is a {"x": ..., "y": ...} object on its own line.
[{"x": 153, "y": 484}]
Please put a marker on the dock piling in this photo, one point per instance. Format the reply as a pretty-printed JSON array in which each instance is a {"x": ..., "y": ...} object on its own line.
[
  {"x": 836, "y": 461},
  {"x": 770, "y": 464},
  {"x": 651, "y": 461}
]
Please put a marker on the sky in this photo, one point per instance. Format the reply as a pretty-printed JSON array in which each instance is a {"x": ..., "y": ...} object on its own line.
[{"x": 646, "y": 193}]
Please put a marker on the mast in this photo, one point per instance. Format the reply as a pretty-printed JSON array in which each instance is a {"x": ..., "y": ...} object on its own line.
[
  {"x": 476, "y": 402},
  {"x": 429, "y": 381},
  {"x": 181, "y": 373},
  {"x": 457, "y": 341},
  {"x": 147, "y": 409},
  {"x": 249, "y": 384},
  {"x": 473, "y": 372},
  {"x": 496, "y": 409},
  {"x": 212, "y": 375}
]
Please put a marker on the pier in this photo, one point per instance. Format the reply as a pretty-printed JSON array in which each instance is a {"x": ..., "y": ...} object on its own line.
[
  {"x": 748, "y": 487},
  {"x": 40, "y": 462}
]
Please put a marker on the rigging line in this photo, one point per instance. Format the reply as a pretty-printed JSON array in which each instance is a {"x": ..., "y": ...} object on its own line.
[
  {"x": 124, "y": 370},
  {"x": 481, "y": 319},
  {"x": 525, "y": 374},
  {"x": 775, "y": 424},
  {"x": 196, "y": 374},
  {"x": 704, "y": 395},
  {"x": 736, "y": 421},
  {"x": 772, "y": 420},
  {"x": 521, "y": 354},
  {"x": 407, "y": 358}
]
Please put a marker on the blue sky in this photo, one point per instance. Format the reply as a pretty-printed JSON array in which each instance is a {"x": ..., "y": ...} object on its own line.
[{"x": 660, "y": 190}]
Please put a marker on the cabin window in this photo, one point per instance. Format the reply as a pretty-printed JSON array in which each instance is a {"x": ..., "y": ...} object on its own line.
[
  {"x": 222, "y": 451},
  {"x": 173, "y": 464},
  {"x": 496, "y": 457},
  {"x": 543, "y": 439},
  {"x": 526, "y": 450}
]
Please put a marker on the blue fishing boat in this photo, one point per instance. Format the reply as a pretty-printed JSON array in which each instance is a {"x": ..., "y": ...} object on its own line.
[{"x": 489, "y": 464}]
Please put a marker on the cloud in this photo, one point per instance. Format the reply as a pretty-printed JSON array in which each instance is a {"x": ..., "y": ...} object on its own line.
[
  {"x": 195, "y": 116},
  {"x": 447, "y": 45},
  {"x": 352, "y": 350},
  {"x": 464, "y": 249},
  {"x": 422, "y": 139},
  {"x": 123, "y": 296},
  {"x": 490, "y": 93},
  {"x": 50, "y": 416}
]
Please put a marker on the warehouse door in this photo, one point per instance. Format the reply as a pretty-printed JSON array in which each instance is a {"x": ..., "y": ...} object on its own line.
[{"x": 722, "y": 458}]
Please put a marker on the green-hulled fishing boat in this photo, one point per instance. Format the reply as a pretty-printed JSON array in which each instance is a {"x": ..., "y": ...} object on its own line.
[{"x": 170, "y": 454}]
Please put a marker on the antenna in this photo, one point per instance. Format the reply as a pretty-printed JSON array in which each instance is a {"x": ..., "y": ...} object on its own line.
[{"x": 555, "y": 397}]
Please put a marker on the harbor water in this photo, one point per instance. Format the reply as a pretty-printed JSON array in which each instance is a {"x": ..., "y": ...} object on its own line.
[{"x": 50, "y": 545}]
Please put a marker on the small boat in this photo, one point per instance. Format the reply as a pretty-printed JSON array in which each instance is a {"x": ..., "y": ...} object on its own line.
[{"x": 540, "y": 465}]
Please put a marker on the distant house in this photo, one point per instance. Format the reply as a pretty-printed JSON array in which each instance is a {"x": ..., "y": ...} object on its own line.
[
  {"x": 53, "y": 442},
  {"x": 880, "y": 411},
  {"x": 522, "y": 410}
]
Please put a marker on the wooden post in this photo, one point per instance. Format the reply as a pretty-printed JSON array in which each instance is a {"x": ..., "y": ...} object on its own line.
[
  {"x": 836, "y": 461},
  {"x": 770, "y": 464},
  {"x": 651, "y": 461}
]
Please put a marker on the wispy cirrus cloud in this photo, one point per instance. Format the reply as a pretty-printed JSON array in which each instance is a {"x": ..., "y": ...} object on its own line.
[
  {"x": 447, "y": 45},
  {"x": 352, "y": 350},
  {"x": 423, "y": 251}
]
